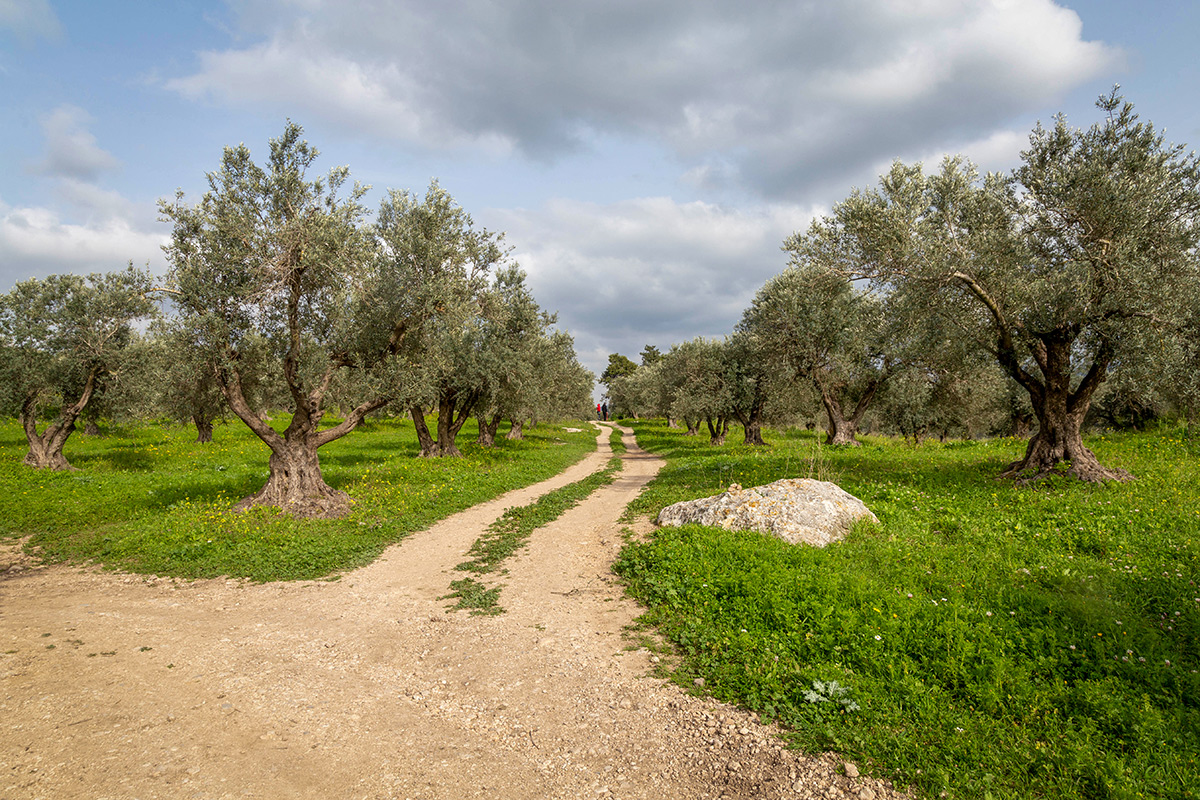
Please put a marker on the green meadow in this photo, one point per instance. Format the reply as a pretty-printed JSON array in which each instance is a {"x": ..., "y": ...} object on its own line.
[
  {"x": 148, "y": 499},
  {"x": 984, "y": 640}
]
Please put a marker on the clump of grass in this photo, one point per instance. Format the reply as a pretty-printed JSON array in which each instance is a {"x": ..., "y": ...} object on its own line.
[
  {"x": 148, "y": 499},
  {"x": 512, "y": 530},
  {"x": 616, "y": 442},
  {"x": 474, "y": 596},
  {"x": 997, "y": 640}
]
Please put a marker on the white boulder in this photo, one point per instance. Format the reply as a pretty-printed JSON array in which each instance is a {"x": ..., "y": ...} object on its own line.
[{"x": 794, "y": 509}]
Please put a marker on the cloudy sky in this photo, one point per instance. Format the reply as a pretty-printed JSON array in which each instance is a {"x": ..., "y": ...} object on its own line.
[{"x": 646, "y": 159}]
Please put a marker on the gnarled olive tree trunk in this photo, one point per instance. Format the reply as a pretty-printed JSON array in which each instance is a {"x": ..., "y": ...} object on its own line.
[
  {"x": 718, "y": 429},
  {"x": 204, "y": 428},
  {"x": 46, "y": 448},
  {"x": 487, "y": 430},
  {"x": 454, "y": 406},
  {"x": 843, "y": 429},
  {"x": 1060, "y": 411},
  {"x": 517, "y": 431},
  {"x": 295, "y": 484}
]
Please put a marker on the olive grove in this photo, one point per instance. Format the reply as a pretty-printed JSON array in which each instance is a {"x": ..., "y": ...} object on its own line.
[{"x": 279, "y": 278}]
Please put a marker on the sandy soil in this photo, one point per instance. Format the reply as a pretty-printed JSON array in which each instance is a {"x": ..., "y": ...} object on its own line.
[{"x": 118, "y": 686}]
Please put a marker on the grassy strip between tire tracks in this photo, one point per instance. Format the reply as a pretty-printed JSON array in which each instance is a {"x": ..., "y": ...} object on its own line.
[
  {"x": 148, "y": 499},
  {"x": 512, "y": 530},
  {"x": 985, "y": 640}
]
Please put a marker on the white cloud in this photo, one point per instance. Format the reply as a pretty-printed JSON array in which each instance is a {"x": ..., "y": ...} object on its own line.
[
  {"x": 35, "y": 242},
  {"x": 997, "y": 152},
  {"x": 786, "y": 97},
  {"x": 71, "y": 150},
  {"x": 648, "y": 270},
  {"x": 29, "y": 19}
]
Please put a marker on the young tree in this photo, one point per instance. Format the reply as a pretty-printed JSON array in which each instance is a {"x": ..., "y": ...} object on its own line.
[
  {"x": 59, "y": 337},
  {"x": 1052, "y": 270},
  {"x": 748, "y": 376},
  {"x": 269, "y": 255},
  {"x": 813, "y": 325},
  {"x": 697, "y": 379}
]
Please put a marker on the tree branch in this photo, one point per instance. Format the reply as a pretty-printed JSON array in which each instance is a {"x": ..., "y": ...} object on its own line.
[
  {"x": 352, "y": 421},
  {"x": 231, "y": 387}
]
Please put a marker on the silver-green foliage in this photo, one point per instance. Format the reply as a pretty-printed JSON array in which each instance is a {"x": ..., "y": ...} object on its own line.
[
  {"x": 59, "y": 337},
  {"x": 1053, "y": 269}
]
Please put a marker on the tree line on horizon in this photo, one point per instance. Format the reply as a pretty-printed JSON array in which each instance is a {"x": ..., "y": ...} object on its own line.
[
  {"x": 1027, "y": 303},
  {"x": 283, "y": 294}
]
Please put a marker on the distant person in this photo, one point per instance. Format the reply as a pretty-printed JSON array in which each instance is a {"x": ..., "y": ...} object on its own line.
[
  {"x": 598, "y": 414},
  {"x": 604, "y": 411}
]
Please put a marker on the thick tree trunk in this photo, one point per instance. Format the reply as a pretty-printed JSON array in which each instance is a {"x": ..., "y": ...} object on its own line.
[
  {"x": 91, "y": 428},
  {"x": 718, "y": 430},
  {"x": 296, "y": 486},
  {"x": 453, "y": 408},
  {"x": 1060, "y": 411},
  {"x": 487, "y": 431},
  {"x": 1059, "y": 439},
  {"x": 752, "y": 419},
  {"x": 693, "y": 426},
  {"x": 46, "y": 449},
  {"x": 452, "y": 413},
  {"x": 204, "y": 428},
  {"x": 841, "y": 431},
  {"x": 517, "y": 431},
  {"x": 671, "y": 422},
  {"x": 425, "y": 441},
  {"x": 753, "y": 433}
]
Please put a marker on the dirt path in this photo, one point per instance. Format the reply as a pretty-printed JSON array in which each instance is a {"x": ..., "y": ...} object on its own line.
[{"x": 118, "y": 686}]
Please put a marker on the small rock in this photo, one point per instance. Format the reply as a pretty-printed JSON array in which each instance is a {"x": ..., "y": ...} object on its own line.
[
  {"x": 698, "y": 681},
  {"x": 866, "y": 794},
  {"x": 851, "y": 770}
]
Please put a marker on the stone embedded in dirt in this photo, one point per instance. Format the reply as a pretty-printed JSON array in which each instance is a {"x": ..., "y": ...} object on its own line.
[{"x": 797, "y": 510}]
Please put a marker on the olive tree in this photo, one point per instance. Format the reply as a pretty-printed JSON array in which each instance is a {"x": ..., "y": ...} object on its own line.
[
  {"x": 1052, "y": 269},
  {"x": 514, "y": 338},
  {"x": 697, "y": 378},
  {"x": 269, "y": 255},
  {"x": 561, "y": 387},
  {"x": 812, "y": 324},
  {"x": 59, "y": 338},
  {"x": 443, "y": 262}
]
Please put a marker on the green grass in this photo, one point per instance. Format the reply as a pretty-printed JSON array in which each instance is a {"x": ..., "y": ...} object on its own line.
[
  {"x": 148, "y": 499},
  {"x": 511, "y": 533},
  {"x": 986, "y": 639},
  {"x": 616, "y": 442}
]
